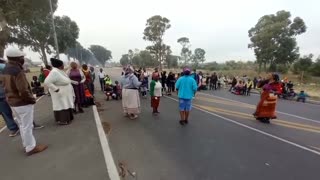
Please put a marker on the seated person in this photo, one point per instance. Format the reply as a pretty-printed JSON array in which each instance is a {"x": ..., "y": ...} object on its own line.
[
  {"x": 116, "y": 91},
  {"x": 108, "y": 80},
  {"x": 37, "y": 89},
  {"x": 109, "y": 91},
  {"x": 89, "y": 100},
  {"x": 302, "y": 96},
  {"x": 239, "y": 87}
]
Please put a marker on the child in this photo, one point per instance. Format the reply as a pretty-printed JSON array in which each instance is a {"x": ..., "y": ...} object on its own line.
[
  {"x": 144, "y": 85},
  {"x": 36, "y": 87},
  {"x": 302, "y": 96},
  {"x": 155, "y": 92}
]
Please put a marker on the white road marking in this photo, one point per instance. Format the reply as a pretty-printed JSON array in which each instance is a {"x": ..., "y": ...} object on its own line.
[
  {"x": 292, "y": 115},
  {"x": 5, "y": 127},
  {"x": 256, "y": 130},
  {"x": 111, "y": 167}
]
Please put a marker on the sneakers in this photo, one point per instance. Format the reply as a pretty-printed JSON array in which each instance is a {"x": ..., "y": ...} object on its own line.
[
  {"x": 14, "y": 133},
  {"x": 37, "y": 149},
  {"x": 36, "y": 126}
]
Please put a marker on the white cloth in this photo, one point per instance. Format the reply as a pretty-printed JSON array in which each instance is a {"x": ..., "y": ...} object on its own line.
[
  {"x": 102, "y": 75},
  {"x": 157, "y": 89},
  {"x": 24, "y": 115},
  {"x": 64, "y": 98}
]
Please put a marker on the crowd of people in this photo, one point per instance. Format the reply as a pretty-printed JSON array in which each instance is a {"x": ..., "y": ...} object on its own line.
[{"x": 71, "y": 90}]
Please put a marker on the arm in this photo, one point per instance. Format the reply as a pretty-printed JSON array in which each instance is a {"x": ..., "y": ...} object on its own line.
[
  {"x": 152, "y": 85},
  {"x": 136, "y": 82},
  {"x": 24, "y": 88},
  {"x": 83, "y": 78},
  {"x": 50, "y": 80}
]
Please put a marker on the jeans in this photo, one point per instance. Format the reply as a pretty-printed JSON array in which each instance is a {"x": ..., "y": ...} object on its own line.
[
  {"x": 6, "y": 113},
  {"x": 24, "y": 116}
]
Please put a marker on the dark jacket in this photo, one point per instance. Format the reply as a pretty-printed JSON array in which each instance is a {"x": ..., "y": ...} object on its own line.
[{"x": 16, "y": 86}]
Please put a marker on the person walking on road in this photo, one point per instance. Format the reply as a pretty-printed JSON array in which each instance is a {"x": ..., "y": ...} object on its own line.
[
  {"x": 21, "y": 99},
  {"x": 155, "y": 92},
  {"x": 130, "y": 94},
  {"x": 62, "y": 93},
  {"x": 77, "y": 81},
  {"x": 186, "y": 87},
  {"x": 102, "y": 75}
]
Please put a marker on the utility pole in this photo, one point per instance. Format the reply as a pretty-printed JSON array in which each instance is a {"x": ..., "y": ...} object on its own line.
[{"x": 54, "y": 31}]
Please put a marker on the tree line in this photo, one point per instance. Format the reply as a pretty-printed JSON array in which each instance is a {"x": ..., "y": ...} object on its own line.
[
  {"x": 158, "y": 53},
  {"x": 29, "y": 24}
]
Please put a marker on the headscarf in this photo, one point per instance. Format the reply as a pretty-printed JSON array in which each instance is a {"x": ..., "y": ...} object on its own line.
[{"x": 56, "y": 62}]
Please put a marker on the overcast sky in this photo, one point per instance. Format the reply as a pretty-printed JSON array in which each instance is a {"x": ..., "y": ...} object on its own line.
[{"x": 219, "y": 27}]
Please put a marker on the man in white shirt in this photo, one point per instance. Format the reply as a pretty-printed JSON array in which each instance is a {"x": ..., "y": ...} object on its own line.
[{"x": 102, "y": 75}]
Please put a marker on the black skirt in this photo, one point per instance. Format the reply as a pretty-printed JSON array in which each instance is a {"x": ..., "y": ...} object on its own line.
[{"x": 63, "y": 116}]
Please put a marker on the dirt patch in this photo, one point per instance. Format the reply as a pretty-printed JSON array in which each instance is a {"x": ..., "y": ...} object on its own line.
[{"x": 106, "y": 127}]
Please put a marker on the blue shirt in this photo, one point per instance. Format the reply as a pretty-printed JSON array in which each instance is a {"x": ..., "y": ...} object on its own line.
[{"x": 186, "y": 86}]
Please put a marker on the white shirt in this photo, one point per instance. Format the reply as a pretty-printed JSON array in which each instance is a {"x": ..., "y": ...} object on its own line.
[
  {"x": 157, "y": 89},
  {"x": 102, "y": 75}
]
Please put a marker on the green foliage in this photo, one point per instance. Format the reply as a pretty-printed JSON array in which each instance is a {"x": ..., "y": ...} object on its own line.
[
  {"x": 172, "y": 61},
  {"x": 315, "y": 69},
  {"x": 154, "y": 32},
  {"x": 186, "y": 54},
  {"x": 198, "y": 57},
  {"x": 101, "y": 53},
  {"x": 20, "y": 14},
  {"x": 273, "y": 39},
  {"x": 303, "y": 64},
  {"x": 124, "y": 60}
]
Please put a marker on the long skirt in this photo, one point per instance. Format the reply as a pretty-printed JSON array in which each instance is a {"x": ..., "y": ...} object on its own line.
[
  {"x": 155, "y": 101},
  {"x": 63, "y": 116},
  {"x": 130, "y": 101},
  {"x": 79, "y": 92}
]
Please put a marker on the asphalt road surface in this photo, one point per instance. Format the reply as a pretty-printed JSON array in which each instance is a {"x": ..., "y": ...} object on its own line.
[{"x": 222, "y": 141}]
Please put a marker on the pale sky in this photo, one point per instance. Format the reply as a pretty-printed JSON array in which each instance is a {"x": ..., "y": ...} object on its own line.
[{"x": 219, "y": 27}]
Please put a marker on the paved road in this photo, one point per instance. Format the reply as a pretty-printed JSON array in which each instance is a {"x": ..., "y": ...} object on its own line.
[
  {"x": 223, "y": 141},
  {"x": 74, "y": 151}
]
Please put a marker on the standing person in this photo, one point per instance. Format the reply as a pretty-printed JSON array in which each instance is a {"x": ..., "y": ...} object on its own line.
[
  {"x": 196, "y": 78},
  {"x": 200, "y": 81},
  {"x": 170, "y": 83},
  {"x": 130, "y": 94},
  {"x": 163, "y": 80},
  {"x": 146, "y": 77},
  {"x": 156, "y": 72},
  {"x": 144, "y": 85},
  {"x": 20, "y": 98},
  {"x": 214, "y": 79},
  {"x": 255, "y": 82},
  {"x": 101, "y": 75},
  {"x": 93, "y": 78},
  {"x": 62, "y": 93},
  {"x": 155, "y": 92},
  {"x": 77, "y": 80},
  {"x": 186, "y": 87},
  {"x": 233, "y": 83},
  {"x": 87, "y": 75}
]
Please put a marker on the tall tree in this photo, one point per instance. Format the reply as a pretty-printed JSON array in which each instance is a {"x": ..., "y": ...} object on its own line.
[
  {"x": 185, "y": 51},
  {"x": 124, "y": 60},
  {"x": 315, "y": 69},
  {"x": 273, "y": 39},
  {"x": 80, "y": 53},
  {"x": 36, "y": 34},
  {"x": 154, "y": 32},
  {"x": 101, "y": 53},
  {"x": 198, "y": 57},
  {"x": 20, "y": 12}
]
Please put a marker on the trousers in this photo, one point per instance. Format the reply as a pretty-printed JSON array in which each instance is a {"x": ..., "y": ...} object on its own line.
[
  {"x": 6, "y": 112},
  {"x": 24, "y": 115}
]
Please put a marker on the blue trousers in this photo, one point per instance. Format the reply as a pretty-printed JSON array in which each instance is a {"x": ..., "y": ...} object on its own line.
[{"x": 6, "y": 113}]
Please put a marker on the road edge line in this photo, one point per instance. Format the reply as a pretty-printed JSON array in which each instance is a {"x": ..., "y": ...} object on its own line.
[
  {"x": 111, "y": 167},
  {"x": 292, "y": 115},
  {"x": 256, "y": 130},
  {"x": 5, "y": 127}
]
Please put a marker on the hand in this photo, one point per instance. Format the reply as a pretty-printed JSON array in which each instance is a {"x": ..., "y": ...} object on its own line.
[
  {"x": 76, "y": 83},
  {"x": 155, "y": 98}
]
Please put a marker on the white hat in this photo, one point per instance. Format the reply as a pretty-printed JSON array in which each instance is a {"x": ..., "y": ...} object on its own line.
[{"x": 14, "y": 52}]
